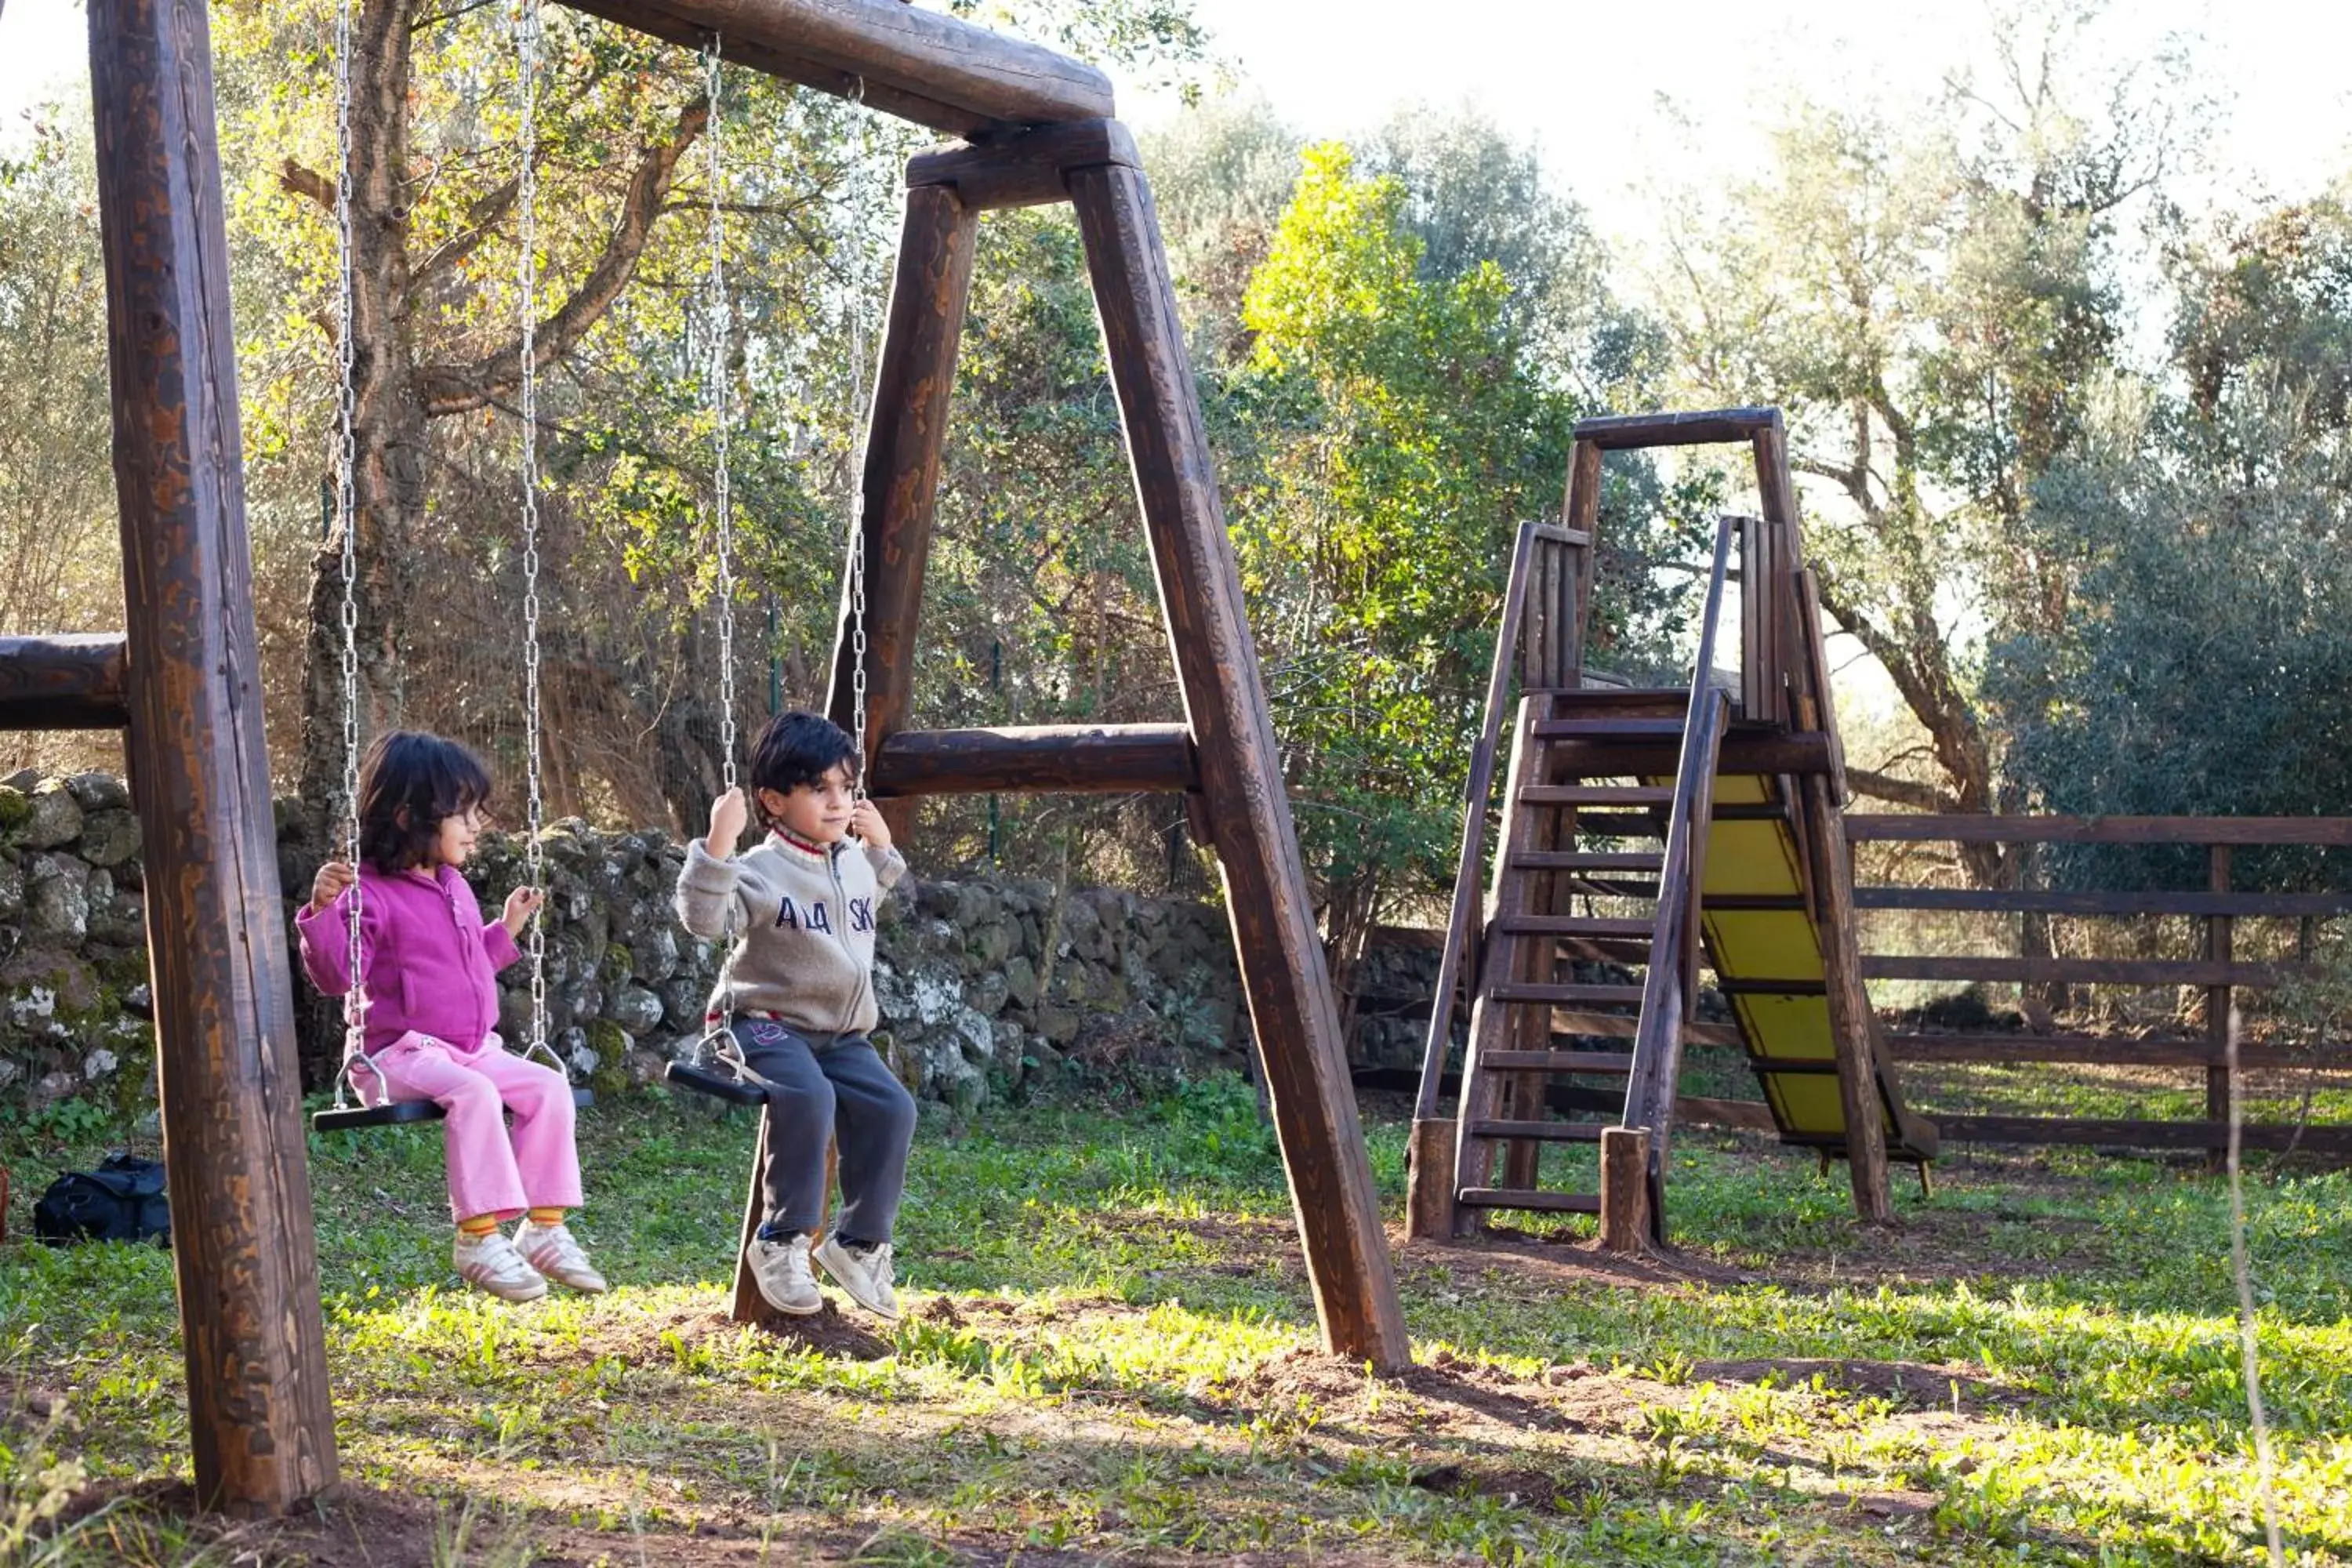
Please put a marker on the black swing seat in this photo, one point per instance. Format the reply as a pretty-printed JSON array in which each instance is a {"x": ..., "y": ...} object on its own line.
[
  {"x": 351, "y": 1117},
  {"x": 718, "y": 1085}
]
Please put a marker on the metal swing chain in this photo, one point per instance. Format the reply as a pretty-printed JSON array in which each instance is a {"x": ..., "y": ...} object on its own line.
[
  {"x": 858, "y": 427},
  {"x": 527, "y": 40},
  {"x": 720, "y": 406},
  {"x": 347, "y": 524}
]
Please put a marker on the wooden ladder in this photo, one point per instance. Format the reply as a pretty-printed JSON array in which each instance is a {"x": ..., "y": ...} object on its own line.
[{"x": 1581, "y": 792}]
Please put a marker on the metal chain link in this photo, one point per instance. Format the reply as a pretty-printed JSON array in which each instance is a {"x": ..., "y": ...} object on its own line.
[
  {"x": 527, "y": 40},
  {"x": 857, "y": 547},
  {"x": 346, "y": 523},
  {"x": 721, "y": 406},
  {"x": 719, "y": 1043},
  {"x": 858, "y": 422}
]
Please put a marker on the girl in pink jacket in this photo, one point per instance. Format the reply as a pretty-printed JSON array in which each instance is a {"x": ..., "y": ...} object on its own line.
[{"x": 426, "y": 972}]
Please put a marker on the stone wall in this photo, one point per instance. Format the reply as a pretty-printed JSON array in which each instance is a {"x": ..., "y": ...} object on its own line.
[{"x": 985, "y": 987}]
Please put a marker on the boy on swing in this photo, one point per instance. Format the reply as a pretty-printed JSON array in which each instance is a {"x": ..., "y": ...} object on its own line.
[{"x": 799, "y": 987}]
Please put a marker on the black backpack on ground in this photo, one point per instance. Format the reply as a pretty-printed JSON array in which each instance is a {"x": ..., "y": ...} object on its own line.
[{"x": 123, "y": 1200}]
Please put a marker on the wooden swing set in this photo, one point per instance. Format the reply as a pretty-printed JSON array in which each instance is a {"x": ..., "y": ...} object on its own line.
[{"x": 183, "y": 682}]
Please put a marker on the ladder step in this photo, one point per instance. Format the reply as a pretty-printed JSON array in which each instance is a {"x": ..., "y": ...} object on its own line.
[
  {"x": 1625, "y": 1026},
  {"x": 1611, "y": 825},
  {"x": 1528, "y": 1198},
  {"x": 1586, "y": 860},
  {"x": 1540, "y": 1131},
  {"x": 1583, "y": 861},
  {"x": 1529, "y": 990},
  {"x": 1571, "y": 925},
  {"x": 1563, "y": 1061},
  {"x": 1586, "y": 697},
  {"x": 1625, "y": 729},
  {"x": 1595, "y": 795}
]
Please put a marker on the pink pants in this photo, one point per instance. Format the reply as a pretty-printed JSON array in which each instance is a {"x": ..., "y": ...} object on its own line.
[{"x": 492, "y": 1171}]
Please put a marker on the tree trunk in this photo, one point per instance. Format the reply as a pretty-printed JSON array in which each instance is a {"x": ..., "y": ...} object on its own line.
[{"x": 388, "y": 423}]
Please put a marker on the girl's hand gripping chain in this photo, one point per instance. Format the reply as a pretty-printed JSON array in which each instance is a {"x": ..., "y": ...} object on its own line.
[{"x": 521, "y": 904}]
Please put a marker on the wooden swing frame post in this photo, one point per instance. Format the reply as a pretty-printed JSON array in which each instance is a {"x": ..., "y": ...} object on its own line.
[
  {"x": 183, "y": 679},
  {"x": 258, "y": 1415}
]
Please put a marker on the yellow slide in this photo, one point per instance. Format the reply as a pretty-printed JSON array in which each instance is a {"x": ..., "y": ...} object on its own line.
[{"x": 1768, "y": 962}]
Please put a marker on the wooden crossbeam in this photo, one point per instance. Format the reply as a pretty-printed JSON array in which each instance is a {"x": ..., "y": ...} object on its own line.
[
  {"x": 63, "y": 682},
  {"x": 1624, "y": 432},
  {"x": 919, "y": 65},
  {"x": 1073, "y": 759},
  {"x": 1027, "y": 170}
]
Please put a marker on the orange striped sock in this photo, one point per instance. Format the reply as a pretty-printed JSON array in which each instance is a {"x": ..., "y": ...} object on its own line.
[
  {"x": 546, "y": 1216},
  {"x": 480, "y": 1225}
]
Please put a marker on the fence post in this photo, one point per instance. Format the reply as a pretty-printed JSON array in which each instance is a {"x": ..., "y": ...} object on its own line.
[{"x": 2217, "y": 1008}]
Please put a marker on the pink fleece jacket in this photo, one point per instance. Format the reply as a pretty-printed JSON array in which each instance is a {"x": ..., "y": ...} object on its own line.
[{"x": 429, "y": 961}]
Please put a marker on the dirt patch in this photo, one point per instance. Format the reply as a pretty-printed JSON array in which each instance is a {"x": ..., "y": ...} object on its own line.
[
  {"x": 1551, "y": 1262},
  {"x": 1448, "y": 1392},
  {"x": 652, "y": 1337},
  {"x": 1933, "y": 1245},
  {"x": 1907, "y": 1383}
]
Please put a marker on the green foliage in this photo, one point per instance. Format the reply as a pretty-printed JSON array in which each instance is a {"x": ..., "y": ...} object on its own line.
[
  {"x": 1418, "y": 434},
  {"x": 56, "y": 481}
]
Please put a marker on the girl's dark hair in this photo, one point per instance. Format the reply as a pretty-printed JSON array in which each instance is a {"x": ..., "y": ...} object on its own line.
[
  {"x": 797, "y": 748},
  {"x": 409, "y": 782}
]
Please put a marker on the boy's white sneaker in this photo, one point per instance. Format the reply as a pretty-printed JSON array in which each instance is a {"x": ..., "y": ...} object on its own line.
[
  {"x": 551, "y": 1249},
  {"x": 782, "y": 1270},
  {"x": 489, "y": 1262},
  {"x": 863, "y": 1271}
]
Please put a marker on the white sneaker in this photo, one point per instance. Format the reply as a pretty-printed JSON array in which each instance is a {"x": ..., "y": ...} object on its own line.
[
  {"x": 490, "y": 1262},
  {"x": 863, "y": 1271},
  {"x": 782, "y": 1268},
  {"x": 551, "y": 1249}
]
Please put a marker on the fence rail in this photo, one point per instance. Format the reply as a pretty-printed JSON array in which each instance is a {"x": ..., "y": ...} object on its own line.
[{"x": 2218, "y": 972}]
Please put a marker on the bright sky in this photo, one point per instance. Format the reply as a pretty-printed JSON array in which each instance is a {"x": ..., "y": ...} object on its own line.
[{"x": 1600, "y": 88}]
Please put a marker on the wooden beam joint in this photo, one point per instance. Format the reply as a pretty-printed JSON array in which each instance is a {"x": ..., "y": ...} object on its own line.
[{"x": 1031, "y": 168}]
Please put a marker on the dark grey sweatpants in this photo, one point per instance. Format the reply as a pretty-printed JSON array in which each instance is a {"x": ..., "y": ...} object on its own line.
[{"x": 832, "y": 1087}]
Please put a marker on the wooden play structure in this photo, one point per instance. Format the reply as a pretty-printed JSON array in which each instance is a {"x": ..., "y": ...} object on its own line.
[
  {"x": 1720, "y": 805},
  {"x": 1036, "y": 128},
  {"x": 1740, "y": 779}
]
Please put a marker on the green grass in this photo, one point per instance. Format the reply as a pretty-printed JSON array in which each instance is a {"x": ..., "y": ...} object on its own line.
[{"x": 1110, "y": 1355}]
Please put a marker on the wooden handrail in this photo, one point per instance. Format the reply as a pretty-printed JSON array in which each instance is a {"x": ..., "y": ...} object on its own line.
[
  {"x": 1671, "y": 980},
  {"x": 1456, "y": 959}
]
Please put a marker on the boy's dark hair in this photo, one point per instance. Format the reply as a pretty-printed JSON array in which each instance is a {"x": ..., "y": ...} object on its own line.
[
  {"x": 409, "y": 782},
  {"x": 797, "y": 748}
]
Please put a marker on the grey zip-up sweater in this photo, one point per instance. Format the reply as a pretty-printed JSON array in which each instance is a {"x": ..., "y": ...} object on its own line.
[{"x": 806, "y": 914}]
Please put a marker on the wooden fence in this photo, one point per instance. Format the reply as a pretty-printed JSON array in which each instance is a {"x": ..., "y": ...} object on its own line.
[{"x": 2217, "y": 971}]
